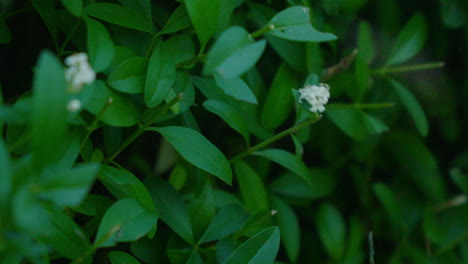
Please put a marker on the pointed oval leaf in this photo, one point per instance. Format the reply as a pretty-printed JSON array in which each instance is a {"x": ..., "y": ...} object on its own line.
[
  {"x": 230, "y": 115},
  {"x": 119, "y": 257},
  {"x": 49, "y": 110},
  {"x": 233, "y": 54},
  {"x": 227, "y": 221},
  {"x": 69, "y": 187},
  {"x": 294, "y": 24},
  {"x": 172, "y": 208},
  {"x": 279, "y": 101},
  {"x": 287, "y": 160},
  {"x": 5, "y": 179},
  {"x": 412, "y": 105},
  {"x": 123, "y": 184},
  {"x": 252, "y": 188},
  {"x": 100, "y": 45},
  {"x": 121, "y": 112},
  {"x": 75, "y": 7},
  {"x": 126, "y": 220},
  {"x": 237, "y": 88},
  {"x": 289, "y": 227},
  {"x": 410, "y": 40},
  {"x": 161, "y": 75},
  {"x": 121, "y": 15},
  {"x": 241, "y": 60},
  {"x": 129, "y": 76},
  {"x": 204, "y": 15},
  {"x": 332, "y": 230},
  {"x": 196, "y": 149},
  {"x": 179, "y": 20},
  {"x": 260, "y": 249}
]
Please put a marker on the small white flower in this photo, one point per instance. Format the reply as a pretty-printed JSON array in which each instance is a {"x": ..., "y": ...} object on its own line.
[
  {"x": 273, "y": 212},
  {"x": 79, "y": 72},
  {"x": 74, "y": 105},
  {"x": 316, "y": 96}
]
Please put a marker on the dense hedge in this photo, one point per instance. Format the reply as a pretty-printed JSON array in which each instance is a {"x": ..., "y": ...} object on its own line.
[{"x": 233, "y": 131}]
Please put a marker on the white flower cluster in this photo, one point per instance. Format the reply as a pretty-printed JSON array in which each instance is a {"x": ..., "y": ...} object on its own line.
[
  {"x": 316, "y": 96},
  {"x": 79, "y": 72}
]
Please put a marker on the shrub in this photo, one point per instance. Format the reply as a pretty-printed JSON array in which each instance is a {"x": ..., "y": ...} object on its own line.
[{"x": 232, "y": 131}]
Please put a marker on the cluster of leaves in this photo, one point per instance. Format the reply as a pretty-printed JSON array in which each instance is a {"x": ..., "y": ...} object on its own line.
[{"x": 298, "y": 187}]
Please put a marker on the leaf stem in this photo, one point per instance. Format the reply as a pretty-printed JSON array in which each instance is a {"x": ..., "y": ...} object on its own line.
[
  {"x": 194, "y": 59},
  {"x": 261, "y": 31},
  {"x": 274, "y": 138},
  {"x": 94, "y": 124},
  {"x": 143, "y": 127},
  {"x": 151, "y": 45},
  {"x": 65, "y": 42},
  {"x": 409, "y": 68}
]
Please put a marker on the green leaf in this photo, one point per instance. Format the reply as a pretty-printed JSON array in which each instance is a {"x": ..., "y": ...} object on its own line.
[
  {"x": 6, "y": 178},
  {"x": 408, "y": 150},
  {"x": 119, "y": 257},
  {"x": 292, "y": 52},
  {"x": 64, "y": 235},
  {"x": 294, "y": 24},
  {"x": 181, "y": 47},
  {"x": 100, "y": 45},
  {"x": 279, "y": 101},
  {"x": 121, "y": 15},
  {"x": 260, "y": 249},
  {"x": 289, "y": 227},
  {"x": 196, "y": 149},
  {"x": 287, "y": 160},
  {"x": 28, "y": 213},
  {"x": 161, "y": 75},
  {"x": 121, "y": 112},
  {"x": 356, "y": 237},
  {"x": 143, "y": 6},
  {"x": 202, "y": 210},
  {"x": 171, "y": 208},
  {"x": 230, "y": 115},
  {"x": 204, "y": 15},
  {"x": 69, "y": 187},
  {"x": 365, "y": 43},
  {"x": 237, "y": 88},
  {"x": 126, "y": 220},
  {"x": 195, "y": 258},
  {"x": 252, "y": 188},
  {"x": 123, "y": 184},
  {"x": 390, "y": 204},
  {"x": 233, "y": 54},
  {"x": 354, "y": 122},
  {"x": 453, "y": 13},
  {"x": 5, "y": 33},
  {"x": 412, "y": 105},
  {"x": 129, "y": 76},
  {"x": 290, "y": 186},
  {"x": 332, "y": 230},
  {"x": 75, "y": 7},
  {"x": 410, "y": 40},
  {"x": 179, "y": 20},
  {"x": 47, "y": 11},
  {"x": 49, "y": 110},
  {"x": 227, "y": 221}
]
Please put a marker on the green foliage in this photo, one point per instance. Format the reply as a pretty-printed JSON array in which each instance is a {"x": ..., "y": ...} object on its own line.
[{"x": 194, "y": 143}]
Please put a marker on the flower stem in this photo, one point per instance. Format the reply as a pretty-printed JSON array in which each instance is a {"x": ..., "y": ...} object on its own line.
[
  {"x": 143, "y": 127},
  {"x": 274, "y": 138},
  {"x": 261, "y": 31},
  {"x": 409, "y": 68}
]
